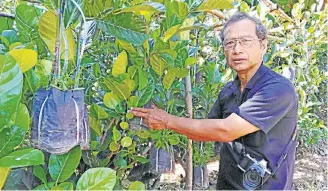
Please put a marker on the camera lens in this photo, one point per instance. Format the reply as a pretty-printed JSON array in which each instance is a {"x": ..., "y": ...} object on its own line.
[{"x": 252, "y": 179}]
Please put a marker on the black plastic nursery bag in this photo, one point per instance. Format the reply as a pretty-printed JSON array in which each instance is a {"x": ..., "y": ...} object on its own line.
[{"x": 60, "y": 120}]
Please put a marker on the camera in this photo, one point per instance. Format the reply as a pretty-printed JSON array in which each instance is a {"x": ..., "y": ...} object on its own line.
[{"x": 254, "y": 172}]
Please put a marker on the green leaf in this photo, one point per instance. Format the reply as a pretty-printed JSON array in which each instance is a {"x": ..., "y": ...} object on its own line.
[
  {"x": 215, "y": 4},
  {"x": 95, "y": 124},
  {"x": 64, "y": 186},
  {"x": 182, "y": 73},
  {"x": 93, "y": 8},
  {"x": 130, "y": 83},
  {"x": 143, "y": 134},
  {"x": 169, "y": 77},
  {"x": 141, "y": 159},
  {"x": 129, "y": 116},
  {"x": 38, "y": 171},
  {"x": 133, "y": 101},
  {"x": 114, "y": 146},
  {"x": 25, "y": 58},
  {"x": 169, "y": 33},
  {"x": 61, "y": 167},
  {"x": 97, "y": 179},
  {"x": 10, "y": 138},
  {"x": 111, "y": 100},
  {"x": 23, "y": 157},
  {"x": 15, "y": 44},
  {"x": 143, "y": 79},
  {"x": 121, "y": 27},
  {"x": 146, "y": 95},
  {"x": 158, "y": 64},
  {"x": 27, "y": 19},
  {"x": 48, "y": 32},
  {"x": 126, "y": 142},
  {"x": 176, "y": 12},
  {"x": 137, "y": 185},
  {"x": 132, "y": 71},
  {"x": 127, "y": 46},
  {"x": 98, "y": 112},
  {"x": 174, "y": 139},
  {"x": 11, "y": 84},
  {"x": 190, "y": 61},
  {"x": 6, "y": 24},
  {"x": 121, "y": 90},
  {"x": 120, "y": 64},
  {"x": 124, "y": 125},
  {"x": 116, "y": 135}
]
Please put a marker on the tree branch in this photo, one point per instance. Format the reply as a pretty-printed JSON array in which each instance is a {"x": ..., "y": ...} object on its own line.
[{"x": 8, "y": 15}]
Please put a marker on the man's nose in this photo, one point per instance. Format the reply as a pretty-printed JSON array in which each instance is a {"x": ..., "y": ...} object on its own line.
[{"x": 237, "y": 49}]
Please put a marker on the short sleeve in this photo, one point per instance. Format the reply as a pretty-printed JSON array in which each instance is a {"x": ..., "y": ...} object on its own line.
[
  {"x": 216, "y": 111},
  {"x": 268, "y": 105}
]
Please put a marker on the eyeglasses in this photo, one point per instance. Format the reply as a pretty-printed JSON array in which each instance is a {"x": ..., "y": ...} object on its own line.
[{"x": 245, "y": 42}]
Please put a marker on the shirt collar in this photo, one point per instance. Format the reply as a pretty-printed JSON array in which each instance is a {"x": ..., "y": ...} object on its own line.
[{"x": 262, "y": 70}]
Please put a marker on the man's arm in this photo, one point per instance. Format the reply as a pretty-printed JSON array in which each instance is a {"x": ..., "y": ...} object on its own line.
[{"x": 218, "y": 130}]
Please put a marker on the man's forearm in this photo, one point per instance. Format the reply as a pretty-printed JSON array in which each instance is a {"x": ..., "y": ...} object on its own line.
[{"x": 200, "y": 129}]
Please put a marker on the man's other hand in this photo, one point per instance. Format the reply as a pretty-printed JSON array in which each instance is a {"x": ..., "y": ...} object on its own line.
[{"x": 154, "y": 118}]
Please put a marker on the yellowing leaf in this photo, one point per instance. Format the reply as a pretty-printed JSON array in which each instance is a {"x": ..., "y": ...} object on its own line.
[
  {"x": 111, "y": 100},
  {"x": 190, "y": 61},
  {"x": 158, "y": 64},
  {"x": 169, "y": 33},
  {"x": 48, "y": 25},
  {"x": 3, "y": 175},
  {"x": 26, "y": 58},
  {"x": 127, "y": 46},
  {"x": 120, "y": 64},
  {"x": 215, "y": 4},
  {"x": 126, "y": 142},
  {"x": 14, "y": 45},
  {"x": 121, "y": 90}
]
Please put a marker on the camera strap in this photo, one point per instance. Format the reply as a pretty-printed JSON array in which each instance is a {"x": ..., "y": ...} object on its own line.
[{"x": 283, "y": 156}]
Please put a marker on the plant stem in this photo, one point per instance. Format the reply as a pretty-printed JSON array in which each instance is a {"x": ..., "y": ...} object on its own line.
[{"x": 189, "y": 147}]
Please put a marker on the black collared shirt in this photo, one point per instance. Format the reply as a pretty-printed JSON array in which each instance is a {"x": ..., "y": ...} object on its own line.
[{"x": 269, "y": 102}]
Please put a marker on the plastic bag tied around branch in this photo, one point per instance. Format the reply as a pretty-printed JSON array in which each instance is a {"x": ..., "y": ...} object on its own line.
[{"x": 60, "y": 120}]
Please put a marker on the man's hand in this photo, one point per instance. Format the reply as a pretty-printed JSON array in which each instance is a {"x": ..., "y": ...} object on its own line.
[{"x": 154, "y": 118}]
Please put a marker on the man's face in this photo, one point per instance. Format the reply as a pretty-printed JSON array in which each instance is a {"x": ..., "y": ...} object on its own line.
[{"x": 242, "y": 48}]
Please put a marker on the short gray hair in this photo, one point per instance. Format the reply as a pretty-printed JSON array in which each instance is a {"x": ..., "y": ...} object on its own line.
[{"x": 261, "y": 30}]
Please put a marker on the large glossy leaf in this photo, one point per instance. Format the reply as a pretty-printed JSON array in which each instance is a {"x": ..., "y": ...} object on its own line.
[
  {"x": 146, "y": 95},
  {"x": 121, "y": 27},
  {"x": 11, "y": 84},
  {"x": 158, "y": 64},
  {"x": 215, "y": 4},
  {"x": 25, "y": 58},
  {"x": 93, "y": 8},
  {"x": 9, "y": 139},
  {"x": 71, "y": 13},
  {"x": 121, "y": 90},
  {"x": 61, "y": 167},
  {"x": 169, "y": 33},
  {"x": 120, "y": 64},
  {"x": 38, "y": 171},
  {"x": 4, "y": 172},
  {"x": 48, "y": 31},
  {"x": 143, "y": 79},
  {"x": 95, "y": 124},
  {"x": 27, "y": 18},
  {"x": 169, "y": 77},
  {"x": 23, "y": 157},
  {"x": 97, "y": 179},
  {"x": 176, "y": 12},
  {"x": 126, "y": 46}
]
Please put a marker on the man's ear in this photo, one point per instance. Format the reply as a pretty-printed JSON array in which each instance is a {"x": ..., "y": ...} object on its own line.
[{"x": 264, "y": 45}]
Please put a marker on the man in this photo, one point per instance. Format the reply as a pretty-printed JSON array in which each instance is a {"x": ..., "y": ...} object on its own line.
[{"x": 255, "y": 116}]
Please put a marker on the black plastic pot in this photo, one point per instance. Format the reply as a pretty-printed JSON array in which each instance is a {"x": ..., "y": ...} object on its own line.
[
  {"x": 162, "y": 161},
  {"x": 201, "y": 180},
  {"x": 60, "y": 120}
]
